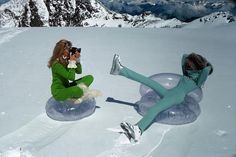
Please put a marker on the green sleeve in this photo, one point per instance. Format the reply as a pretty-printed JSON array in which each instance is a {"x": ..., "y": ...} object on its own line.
[
  {"x": 59, "y": 69},
  {"x": 203, "y": 76},
  {"x": 78, "y": 70}
]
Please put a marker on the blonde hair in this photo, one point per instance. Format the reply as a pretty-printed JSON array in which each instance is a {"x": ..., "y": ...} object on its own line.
[{"x": 58, "y": 51}]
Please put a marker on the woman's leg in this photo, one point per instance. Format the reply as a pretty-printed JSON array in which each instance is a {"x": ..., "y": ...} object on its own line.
[
  {"x": 150, "y": 116},
  {"x": 74, "y": 91},
  {"x": 158, "y": 88},
  {"x": 68, "y": 93},
  {"x": 170, "y": 99},
  {"x": 87, "y": 80},
  {"x": 118, "y": 69},
  {"x": 83, "y": 83}
]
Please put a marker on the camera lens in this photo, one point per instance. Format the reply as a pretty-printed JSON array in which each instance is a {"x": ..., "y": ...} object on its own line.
[{"x": 79, "y": 50}]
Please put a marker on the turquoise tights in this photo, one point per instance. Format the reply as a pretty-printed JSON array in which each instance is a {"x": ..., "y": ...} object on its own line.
[{"x": 168, "y": 97}]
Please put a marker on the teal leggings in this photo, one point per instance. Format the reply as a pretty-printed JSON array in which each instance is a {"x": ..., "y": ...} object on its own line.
[
  {"x": 73, "y": 91},
  {"x": 168, "y": 97}
]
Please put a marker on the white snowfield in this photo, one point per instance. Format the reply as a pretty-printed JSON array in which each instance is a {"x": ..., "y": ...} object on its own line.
[
  {"x": 25, "y": 80},
  {"x": 39, "y": 132}
]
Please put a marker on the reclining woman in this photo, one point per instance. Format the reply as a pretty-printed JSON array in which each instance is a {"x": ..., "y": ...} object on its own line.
[
  {"x": 65, "y": 64},
  {"x": 195, "y": 72}
]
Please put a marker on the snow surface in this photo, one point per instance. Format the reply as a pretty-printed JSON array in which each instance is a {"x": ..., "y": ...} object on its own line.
[
  {"x": 42, "y": 10},
  {"x": 25, "y": 87}
]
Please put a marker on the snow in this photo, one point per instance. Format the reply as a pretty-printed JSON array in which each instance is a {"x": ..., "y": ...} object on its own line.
[
  {"x": 109, "y": 19},
  {"x": 25, "y": 88},
  {"x": 16, "y": 153},
  {"x": 103, "y": 17},
  {"x": 73, "y": 2},
  {"x": 171, "y": 23},
  {"x": 7, "y": 34},
  {"x": 14, "y": 5},
  {"x": 42, "y": 10},
  {"x": 212, "y": 20},
  {"x": 17, "y": 8},
  {"x": 106, "y": 18}
]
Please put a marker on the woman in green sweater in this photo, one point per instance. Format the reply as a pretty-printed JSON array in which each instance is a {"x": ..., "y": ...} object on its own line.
[
  {"x": 195, "y": 72},
  {"x": 64, "y": 68}
]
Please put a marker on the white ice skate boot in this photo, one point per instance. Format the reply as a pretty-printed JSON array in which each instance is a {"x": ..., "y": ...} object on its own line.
[
  {"x": 131, "y": 131},
  {"x": 116, "y": 65}
]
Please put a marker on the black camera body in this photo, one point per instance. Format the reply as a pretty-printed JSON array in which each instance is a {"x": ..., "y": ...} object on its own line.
[{"x": 73, "y": 50}]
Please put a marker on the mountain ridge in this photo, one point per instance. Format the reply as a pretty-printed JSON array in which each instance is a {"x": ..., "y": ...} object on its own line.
[
  {"x": 69, "y": 13},
  {"x": 184, "y": 10}
]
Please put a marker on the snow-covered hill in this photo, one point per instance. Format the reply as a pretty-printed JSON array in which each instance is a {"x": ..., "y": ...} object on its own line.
[
  {"x": 212, "y": 20},
  {"x": 18, "y": 13}
]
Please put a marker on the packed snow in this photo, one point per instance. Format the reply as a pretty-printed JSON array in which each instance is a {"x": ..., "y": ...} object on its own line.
[{"x": 25, "y": 88}]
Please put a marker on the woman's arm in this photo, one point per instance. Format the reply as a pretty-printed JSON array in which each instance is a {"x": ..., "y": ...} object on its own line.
[
  {"x": 69, "y": 74},
  {"x": 183, "y": 62},
  {"x": 203, "y": 76},
  {"x": 78, "y": 70}
]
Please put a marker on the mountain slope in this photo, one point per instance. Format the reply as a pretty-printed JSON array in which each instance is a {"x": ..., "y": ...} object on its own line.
[
  {"x": 212, "y": 20},
  {"x": 184, "y": 10},
  {"x": 24, "y": 13},
  {"x": 21, "y": 13},
  {"x": 92, "y": 13}
]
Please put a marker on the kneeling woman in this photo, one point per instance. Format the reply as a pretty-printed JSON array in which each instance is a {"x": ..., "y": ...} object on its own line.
[
  {"x": 195, "y": 72},
  {"x": 64, "y": 67}
]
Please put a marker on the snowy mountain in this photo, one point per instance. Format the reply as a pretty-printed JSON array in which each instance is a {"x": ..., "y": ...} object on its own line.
[
  {"x": 212, "y": 20},
  {"x": 105, "y": 18},
  {"x": 184, "y": 10},
  {"x": 92, "y": 13},
  {"x": 21, "y": 13}
]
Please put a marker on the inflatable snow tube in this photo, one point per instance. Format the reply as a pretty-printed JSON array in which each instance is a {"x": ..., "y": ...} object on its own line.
[
  {"x": 68, "y": 111},
  {"x": 183, "y": 113}
]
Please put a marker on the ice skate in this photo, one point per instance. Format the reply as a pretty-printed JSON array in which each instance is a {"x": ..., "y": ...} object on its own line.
[
  {"x": 131, "y": 131},
  {"x": 116, "y": 65}
]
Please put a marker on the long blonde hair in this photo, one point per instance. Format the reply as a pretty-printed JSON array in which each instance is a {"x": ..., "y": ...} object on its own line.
[{"x": 58, "y": 51}]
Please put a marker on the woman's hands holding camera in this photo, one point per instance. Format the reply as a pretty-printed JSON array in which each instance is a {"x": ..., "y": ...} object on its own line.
[{"x": 75, "y": 56}]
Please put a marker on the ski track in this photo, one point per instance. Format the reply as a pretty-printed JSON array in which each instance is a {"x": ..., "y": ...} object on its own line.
[
  {"x": 35, "y": 135},
  {"x": 7, "y": 34},
  {"x": 122, "y": 144},
  {"x": 158, "y": 144}
]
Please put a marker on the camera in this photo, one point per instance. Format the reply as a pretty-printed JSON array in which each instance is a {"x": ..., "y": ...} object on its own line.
[{"x": 73, "y": 50}]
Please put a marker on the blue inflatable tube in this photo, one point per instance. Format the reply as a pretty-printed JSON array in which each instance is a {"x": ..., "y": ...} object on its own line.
[
  {"x": 183, "y": 113},
  {"x": 68, "y": 111}
]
